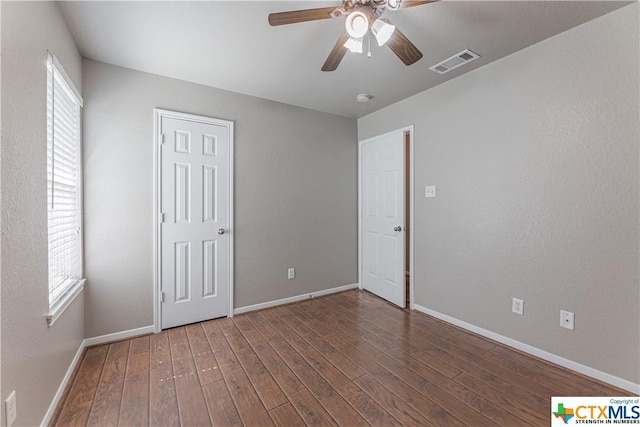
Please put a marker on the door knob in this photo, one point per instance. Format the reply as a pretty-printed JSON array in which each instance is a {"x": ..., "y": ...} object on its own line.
[
  {"x": 220, "y": 230},
  {"x": 398, "y": 228}
]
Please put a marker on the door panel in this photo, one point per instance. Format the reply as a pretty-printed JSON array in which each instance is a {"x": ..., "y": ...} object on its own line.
[
  {"x": 195, "y": 159},
  {"x": 209, "y": 256},
  {"x": 382, "y": 181}
]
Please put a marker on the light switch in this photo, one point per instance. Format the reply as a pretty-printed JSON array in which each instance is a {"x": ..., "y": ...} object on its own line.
[{"x": 430, "y": 191}]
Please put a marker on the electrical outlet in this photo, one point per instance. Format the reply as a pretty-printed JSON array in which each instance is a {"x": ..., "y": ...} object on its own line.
[
  {"x": 566, "y": 319},
  {"x": 430, "y": 191},
  {"x": 10, "y": 408},
  {"x": 291, "y": 273},
  {"x": 517, "y": 306}
]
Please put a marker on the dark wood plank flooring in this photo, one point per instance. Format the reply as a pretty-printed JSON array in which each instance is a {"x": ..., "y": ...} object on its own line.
[{"x": 347, "y": 359}]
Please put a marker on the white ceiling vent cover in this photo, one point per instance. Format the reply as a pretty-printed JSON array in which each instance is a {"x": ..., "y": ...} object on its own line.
[{"x": 455, "y": 61}]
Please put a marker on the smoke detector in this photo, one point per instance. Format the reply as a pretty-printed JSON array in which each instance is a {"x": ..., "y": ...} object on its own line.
[
  {"x": 455, "y": 61},
  {"x": 364, "y": 97}
]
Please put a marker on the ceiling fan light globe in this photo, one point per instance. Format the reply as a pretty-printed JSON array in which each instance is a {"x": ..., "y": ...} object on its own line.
[
  {"x": 357, "y": 24},
  {"x": 354, "y": 45},
  {"x": 382, "y": 31},
  {"x": 394, "y": 4}
]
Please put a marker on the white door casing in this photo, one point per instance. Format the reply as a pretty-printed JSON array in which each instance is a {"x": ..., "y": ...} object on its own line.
[
  {"x": 382, "y": 205},
  {"x": 194, "y": 217}
]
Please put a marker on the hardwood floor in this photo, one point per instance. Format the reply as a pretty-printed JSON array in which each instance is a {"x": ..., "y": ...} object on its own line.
[{"x": 347, "y": 359}]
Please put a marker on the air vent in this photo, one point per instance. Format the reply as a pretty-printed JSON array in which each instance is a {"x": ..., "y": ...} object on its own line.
[{"x": 455, "y": 61}]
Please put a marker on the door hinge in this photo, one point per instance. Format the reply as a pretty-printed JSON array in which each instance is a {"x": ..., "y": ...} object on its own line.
[
  {"x": 161, "y": 217},
  {"x": 161, "y": 296},
  {"x": 162, "y": 138}
]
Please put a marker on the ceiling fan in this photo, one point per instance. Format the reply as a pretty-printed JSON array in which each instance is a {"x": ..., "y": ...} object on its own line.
[{"x": 362, "y": 16}]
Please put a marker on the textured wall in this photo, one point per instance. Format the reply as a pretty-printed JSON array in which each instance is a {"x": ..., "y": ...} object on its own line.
[
  {"x": 34, "y": 357},
  {"x": 536, "y": 161},
  {"x": 295, "y": 193}
]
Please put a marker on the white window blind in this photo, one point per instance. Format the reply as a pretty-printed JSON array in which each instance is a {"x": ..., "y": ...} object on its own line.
[{"x": 64, "y": 205}]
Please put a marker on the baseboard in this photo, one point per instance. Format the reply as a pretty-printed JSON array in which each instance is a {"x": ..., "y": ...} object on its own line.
[
  {"x": 63, "y": 385},
  {"x": 118, "y": 336},
  {"x": 550, "y": 357},
  {"x": 289, "y": 300}
]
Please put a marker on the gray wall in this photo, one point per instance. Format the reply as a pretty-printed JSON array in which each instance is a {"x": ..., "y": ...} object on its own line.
[
  {"x": 295, "y": 193},
  {"x": 536, "y": 161},
  {"x": 34, "y": 357}
]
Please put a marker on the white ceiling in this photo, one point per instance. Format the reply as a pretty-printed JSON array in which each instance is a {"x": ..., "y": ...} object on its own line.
[{"x": 230, "y": 45}]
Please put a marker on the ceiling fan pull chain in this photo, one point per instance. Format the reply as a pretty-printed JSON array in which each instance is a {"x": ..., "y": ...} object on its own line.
[{"x": 369, "y": 46}]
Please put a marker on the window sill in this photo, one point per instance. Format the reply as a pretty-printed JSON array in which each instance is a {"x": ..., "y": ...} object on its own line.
[{"x": 56, "y": 311}]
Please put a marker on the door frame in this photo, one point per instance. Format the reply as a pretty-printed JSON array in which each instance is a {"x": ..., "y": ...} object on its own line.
[
  {"x": 159, "y": 114},
  {"x": 405, "y": 130}
]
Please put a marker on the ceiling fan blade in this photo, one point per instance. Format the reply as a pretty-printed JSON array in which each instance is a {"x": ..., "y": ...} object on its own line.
[
  {"x": 337, "y": 53},
  {"x": 410, "y": 3},
  {"x": 403, "y": 48},
  {"x": 295, "y": 16}
]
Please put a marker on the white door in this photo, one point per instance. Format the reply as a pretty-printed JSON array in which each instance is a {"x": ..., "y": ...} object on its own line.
[
  {"x": 195, "y": 219},
  {"x": 382, "y": 216}
]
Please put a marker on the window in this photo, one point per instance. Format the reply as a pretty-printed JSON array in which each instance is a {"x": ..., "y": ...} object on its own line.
[{"x": 64, "y": 196}]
